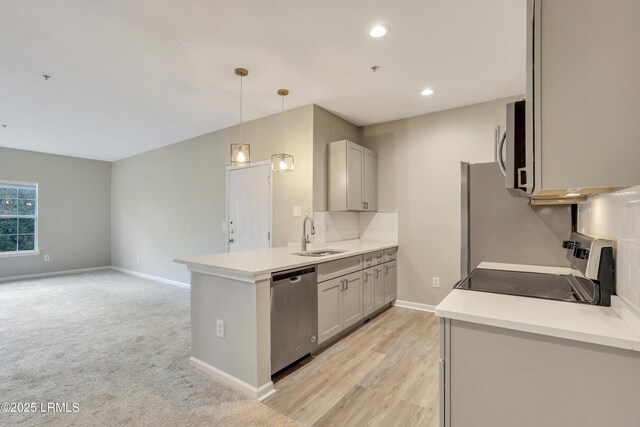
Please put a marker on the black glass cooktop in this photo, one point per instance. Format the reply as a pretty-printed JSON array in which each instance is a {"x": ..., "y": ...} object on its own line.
[{"x": 537, "y": 285}]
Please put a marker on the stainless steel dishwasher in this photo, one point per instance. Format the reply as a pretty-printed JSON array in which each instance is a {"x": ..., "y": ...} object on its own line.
[{"x": 294, "y": 316}]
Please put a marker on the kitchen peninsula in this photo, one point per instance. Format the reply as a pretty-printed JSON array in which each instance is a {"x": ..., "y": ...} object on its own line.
[{"x": 230, "y": 309}]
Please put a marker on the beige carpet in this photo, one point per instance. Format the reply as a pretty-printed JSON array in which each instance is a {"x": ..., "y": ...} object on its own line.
[{"x": 116, "y": 345}]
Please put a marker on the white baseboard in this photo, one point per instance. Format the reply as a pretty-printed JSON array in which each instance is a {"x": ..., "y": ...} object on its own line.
[
  {"x": 415, "y": 306},
  {"x": 258, "y": 393},
  {"x": 53, "y": 273},
  {"x": 150, "y": 277}
]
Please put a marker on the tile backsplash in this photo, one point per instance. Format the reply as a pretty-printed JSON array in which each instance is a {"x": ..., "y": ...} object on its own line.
[
  {"x": 337, "y": 226},
  {"x": 379, "y": 226},
  {"x": 616, "y": 216}
]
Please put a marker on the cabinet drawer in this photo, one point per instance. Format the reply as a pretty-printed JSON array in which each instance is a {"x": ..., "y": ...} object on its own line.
[
  {"x": 372, "y": 258},
  {"x": 339, "y": 267},
  {"x": 390, "y": 254}
]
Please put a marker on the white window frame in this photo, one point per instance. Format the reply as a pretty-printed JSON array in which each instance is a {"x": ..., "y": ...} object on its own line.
[{"x": 36, "y": 247}]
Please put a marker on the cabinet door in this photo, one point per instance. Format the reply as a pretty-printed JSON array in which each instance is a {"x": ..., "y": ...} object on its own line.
[
  {"x": 329, "y": 308},
  {"x": 585, "y": 90},
  {"x": 367, "y": 290},
  {"x": 355, "y": 174},
  {"x": 370, "y": 180},
  {"x": 390, "y": 281},
  {"x": 378, "y": 287},
  {"x": 352, "y": 299}
]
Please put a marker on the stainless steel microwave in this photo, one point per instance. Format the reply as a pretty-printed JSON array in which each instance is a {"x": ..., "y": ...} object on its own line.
[{"x": 511, "y": 150}]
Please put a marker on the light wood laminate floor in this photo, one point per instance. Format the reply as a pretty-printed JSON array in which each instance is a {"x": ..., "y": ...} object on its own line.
[{"x": 383, "y": 374}]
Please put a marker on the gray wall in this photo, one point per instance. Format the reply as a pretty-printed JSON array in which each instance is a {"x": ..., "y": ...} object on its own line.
[
  {"x": 327, "y": 127},
  {"x": 419, "y": 177},
  {"x": 170, "y": 202},
  {"x": 503, "y": 228},
  {"x": 74, "y": 220}
]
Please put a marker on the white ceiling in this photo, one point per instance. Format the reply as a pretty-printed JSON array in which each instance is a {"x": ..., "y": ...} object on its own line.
[{"x": 121, "y": 84}]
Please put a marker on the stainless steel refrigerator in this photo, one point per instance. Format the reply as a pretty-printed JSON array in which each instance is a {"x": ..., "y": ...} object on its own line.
[{"x": 499, "y": 227}]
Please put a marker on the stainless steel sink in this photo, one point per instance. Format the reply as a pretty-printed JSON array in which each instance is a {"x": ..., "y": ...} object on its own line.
[{"x": 319, "y": 252}]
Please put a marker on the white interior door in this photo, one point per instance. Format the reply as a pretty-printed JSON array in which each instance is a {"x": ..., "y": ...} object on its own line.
[{"x": 249, "y": 205}]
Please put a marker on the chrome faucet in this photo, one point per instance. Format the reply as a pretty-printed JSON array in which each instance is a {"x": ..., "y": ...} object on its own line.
[{"x": 305, "y": 239}]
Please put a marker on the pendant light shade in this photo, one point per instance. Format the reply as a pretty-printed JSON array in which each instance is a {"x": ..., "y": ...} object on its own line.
[
  {"x": 282, "y": 162},
  {"x": 240, "y": 153}
]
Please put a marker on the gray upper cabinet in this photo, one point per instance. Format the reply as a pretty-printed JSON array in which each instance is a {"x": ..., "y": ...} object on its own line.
[
  {"x": 352, "y": 182},
  {"x": 583, "y": 62},
  {"x": 355, "y": 174},
  {"x": 370, "y": 180}
]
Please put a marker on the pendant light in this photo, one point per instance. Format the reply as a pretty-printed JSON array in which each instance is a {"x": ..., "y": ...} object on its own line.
[
  {"x": 241, "y": 153},
  {"x": 282, "y": 162}
]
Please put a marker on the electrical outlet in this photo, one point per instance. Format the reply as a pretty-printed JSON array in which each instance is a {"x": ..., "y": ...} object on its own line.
[
  {"x": 47, "y": 258},
  {"x": 220, "y": 328},
  {"x": 297, "y": 211},
  {"x": 436, "y": 282}
]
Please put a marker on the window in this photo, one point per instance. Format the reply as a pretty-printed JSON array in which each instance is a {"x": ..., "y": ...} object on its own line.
[{"x": 18, "y": 217}]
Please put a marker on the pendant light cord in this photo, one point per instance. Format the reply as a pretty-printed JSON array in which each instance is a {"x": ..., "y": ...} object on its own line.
[
  {"x": 241, "y": 78},
  {"x": 282, "y": 123}
]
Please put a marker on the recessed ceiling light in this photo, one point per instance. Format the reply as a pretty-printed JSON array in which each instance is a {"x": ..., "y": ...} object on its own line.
[
  {"x": 378, "y": 31},
  {"x": 427, "y": 92}
]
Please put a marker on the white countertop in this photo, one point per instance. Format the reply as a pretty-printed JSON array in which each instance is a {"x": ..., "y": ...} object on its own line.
[
  {"x": 256, "y": 263},
  {"x": 611, "y": 326}
]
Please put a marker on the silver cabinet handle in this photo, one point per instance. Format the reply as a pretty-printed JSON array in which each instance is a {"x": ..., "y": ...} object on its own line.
[
  {"x": 386, "y": 269},
  {"x": 347, "y": 283},
  {"x": 377, "y": 273}
]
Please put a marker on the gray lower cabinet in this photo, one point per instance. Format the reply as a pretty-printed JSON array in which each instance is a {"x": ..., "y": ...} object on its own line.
[
  {"x": 390, "y": 281},
  {"x": 330, "y": 309},
  {"x": 339, "y": 304},
  {"x": 497, "y": 377},
  {"x": 352, "y": 299},
  {"x": 378, "y": 287},
  {"x": 347, "y": 294},
  {"x": 368, "y": 279}
]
